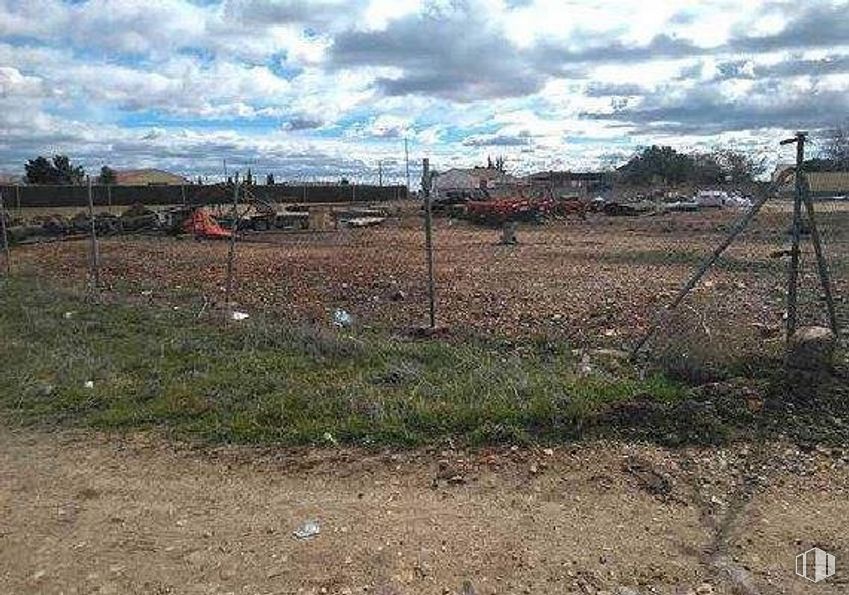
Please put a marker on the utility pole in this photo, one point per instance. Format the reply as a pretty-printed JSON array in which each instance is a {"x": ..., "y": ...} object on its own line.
[{"x": 380, "y": 172}]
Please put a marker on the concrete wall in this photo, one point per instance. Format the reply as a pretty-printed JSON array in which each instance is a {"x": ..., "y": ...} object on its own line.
[{"x": 76, "y": 196}]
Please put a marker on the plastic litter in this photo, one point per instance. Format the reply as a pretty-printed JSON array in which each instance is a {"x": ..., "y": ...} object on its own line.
[
  {"x": 308, "y": 530},
  {"x": 240, "y": 315},
  {"x": 342, "y": 319}
]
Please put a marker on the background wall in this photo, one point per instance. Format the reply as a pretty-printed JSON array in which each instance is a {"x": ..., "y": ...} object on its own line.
[{"x": 76, "y": 196}]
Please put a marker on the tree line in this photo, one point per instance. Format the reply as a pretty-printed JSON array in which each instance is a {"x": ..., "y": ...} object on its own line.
[
  {"x": 652, "y": 164},
  {"x": 659, "y": 164},
  {"x": 666, "y": 165},
  {"x": 59, "y": 171}
]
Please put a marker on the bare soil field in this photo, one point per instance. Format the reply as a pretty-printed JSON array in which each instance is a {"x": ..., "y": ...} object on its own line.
[
  {"x": 137, "y": 510},
  {"x": 597, "y": 282},
  {"x": 131, "y": 514}
]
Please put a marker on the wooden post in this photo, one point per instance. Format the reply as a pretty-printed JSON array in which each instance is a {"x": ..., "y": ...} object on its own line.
[
  {"x": 793, "y": 273},
  {"x": 431, "y": 286},
  {"x": 5, "y": 238},
  {"x": 95, "y": 256},
  {"x": 109, "y": 196},
  {"x": 183, "y": 193},
  {"x": 231, "y": 255},
  {"x": 18, "y": 199}
]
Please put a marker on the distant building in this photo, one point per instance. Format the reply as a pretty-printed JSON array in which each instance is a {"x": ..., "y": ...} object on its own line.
[
  {"x": 148, "y": 177},
  {"x": 475, "y": 178},
  {"x": 569, "y": 183}
]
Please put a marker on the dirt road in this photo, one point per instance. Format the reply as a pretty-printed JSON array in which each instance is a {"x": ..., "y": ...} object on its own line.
[{"x": 88, "y": 513}]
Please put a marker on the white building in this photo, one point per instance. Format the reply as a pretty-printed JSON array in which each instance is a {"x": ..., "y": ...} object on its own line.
[{"x": 475, "y": 178}]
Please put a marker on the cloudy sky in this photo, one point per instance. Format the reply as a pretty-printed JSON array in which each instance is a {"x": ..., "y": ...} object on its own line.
[{"x": 326, "y": 88}]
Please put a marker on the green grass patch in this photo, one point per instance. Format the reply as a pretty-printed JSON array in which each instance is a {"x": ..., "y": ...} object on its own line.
[{"x": 118, "y": 365}]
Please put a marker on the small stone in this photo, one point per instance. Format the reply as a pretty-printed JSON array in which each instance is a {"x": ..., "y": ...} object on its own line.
[{"x": 704, "y": 589}]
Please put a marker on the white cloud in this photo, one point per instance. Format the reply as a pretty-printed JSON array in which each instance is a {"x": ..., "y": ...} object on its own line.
[{"x": 551, "y": 82}]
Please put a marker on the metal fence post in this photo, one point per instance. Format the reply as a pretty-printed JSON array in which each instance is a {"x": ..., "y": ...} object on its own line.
[
  {"x": 6, "y": 252},
  {"x": 431, "y": 286},
  {"x": 231, "y": 255},
  {"x": 822, "y": 264},
  {"x": 95, "y": 256},
  {"x": 793, "y": 273},
  {"x": 710, "y": 260}
]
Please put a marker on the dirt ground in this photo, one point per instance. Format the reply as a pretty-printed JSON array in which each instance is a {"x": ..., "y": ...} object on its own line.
[
  {"x": 598, "y": 282},
  {"x": 90, "y": 513}
]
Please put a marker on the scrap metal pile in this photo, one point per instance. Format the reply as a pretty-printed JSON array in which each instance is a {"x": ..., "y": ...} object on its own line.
[
  {"x": 524, "y": 209},
  {"x": 537, "y": 205},
  {"x": 135, "y": 219},
  {"x": 198, "y": 221}
]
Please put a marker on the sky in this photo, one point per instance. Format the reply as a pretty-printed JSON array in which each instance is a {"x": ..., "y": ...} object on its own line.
[{"x": 326, "y": 89}]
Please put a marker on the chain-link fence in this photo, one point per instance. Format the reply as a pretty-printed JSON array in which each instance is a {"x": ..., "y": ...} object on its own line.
[{"x": 591, "y": 277}]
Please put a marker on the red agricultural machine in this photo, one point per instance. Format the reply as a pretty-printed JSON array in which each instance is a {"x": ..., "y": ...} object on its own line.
[{"x": 501, "y": 210}]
